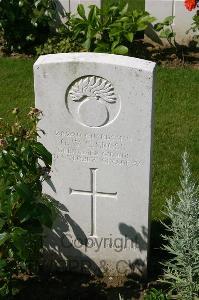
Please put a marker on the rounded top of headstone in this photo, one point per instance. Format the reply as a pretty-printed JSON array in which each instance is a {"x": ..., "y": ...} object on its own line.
[{"x": 101, "y": 58}]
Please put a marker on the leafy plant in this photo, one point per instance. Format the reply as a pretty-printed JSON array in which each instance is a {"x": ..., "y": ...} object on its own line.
[
  {"x": 111, "y": 30},
  {"x": 24, "y": 210},
  {"x": 182, "y": 270},
  {"x": 195, "y": 28},
  {"x": 58, "y": 44},
  {"x": 26, "y": 23},
  {"x": 166, "y": 30},
  {"x": 154, "y": 294}
]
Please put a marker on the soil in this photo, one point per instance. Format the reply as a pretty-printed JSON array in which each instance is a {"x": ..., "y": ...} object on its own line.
[
  {"x": 79, "y": 287},
  {"x": 179, "y": 56},
  {"x": 67, "y": 286}
]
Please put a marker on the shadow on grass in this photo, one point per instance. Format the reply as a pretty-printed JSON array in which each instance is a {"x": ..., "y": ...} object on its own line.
[{"x": 156, "y": 253}]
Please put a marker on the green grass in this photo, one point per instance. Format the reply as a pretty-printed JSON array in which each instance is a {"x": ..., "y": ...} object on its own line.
[
  {"x": 176, "y": 119},
  {"x": 16, "y": 85},
  {"x": 133, "y": 4},
  {"x": 176, "y": 129}
]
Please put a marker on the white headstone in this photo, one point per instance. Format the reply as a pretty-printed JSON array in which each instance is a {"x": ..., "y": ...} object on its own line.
[
  {"x": 161, "y": 9},
  {"x": 182, "y": 22},
  {"x": 86, "y": 3},
  {"x": 97, "y": 116},
  {"x": 71, "y": 5}
]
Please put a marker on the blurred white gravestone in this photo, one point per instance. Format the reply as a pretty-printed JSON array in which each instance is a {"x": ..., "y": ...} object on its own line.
[
  {"x": 161, "y": 9},
  {"x": 97, "y": 116},
  {"x": 71, "y": 5},
  {"x": 86, "y": 3}
]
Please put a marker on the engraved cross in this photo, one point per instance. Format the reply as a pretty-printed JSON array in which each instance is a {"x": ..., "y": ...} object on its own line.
[{"x": 93, "y": 194}]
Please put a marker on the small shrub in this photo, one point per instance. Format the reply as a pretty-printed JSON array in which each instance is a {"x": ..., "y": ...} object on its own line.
[
  {"x": 182, "y": 270},
  {"x": 59, "y": 43},
  {"x": 24, "y": 210},
  {"x": 26, "y": 23},
  {"x": 111, "y": 30},
  {"x": 166, "y": 30},
  {"x": 195, "y": 28}
]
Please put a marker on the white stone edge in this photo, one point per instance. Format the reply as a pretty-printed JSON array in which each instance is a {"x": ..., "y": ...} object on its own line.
[{"x": 103, "y": 58}]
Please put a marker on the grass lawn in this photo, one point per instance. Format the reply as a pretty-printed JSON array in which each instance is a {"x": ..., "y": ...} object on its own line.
[
  {"x": 16, "y": 85},
  {"x": 176, "y": 119},
  {"x": 133, "y": 4}
]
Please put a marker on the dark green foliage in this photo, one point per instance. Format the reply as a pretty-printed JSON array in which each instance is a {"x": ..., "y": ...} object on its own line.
[
  {"x": 24, "y": 210},
  {"x": 154, "y": 294},
  {"x": 60, "y": 42},
  {"x": 182, "y": 240},
  {"x": 25, "y": 23},
  {"x": 109, "y": 30}
]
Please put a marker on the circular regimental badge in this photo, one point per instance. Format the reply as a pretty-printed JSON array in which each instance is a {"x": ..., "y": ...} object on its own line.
[{"x": 92, "y": 101}]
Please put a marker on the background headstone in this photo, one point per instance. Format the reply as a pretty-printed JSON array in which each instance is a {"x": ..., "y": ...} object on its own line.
[
  {"x": 71, "y": 5},
  {"x": 97, "y": 116},
  {"x": 161, "y": 9}
]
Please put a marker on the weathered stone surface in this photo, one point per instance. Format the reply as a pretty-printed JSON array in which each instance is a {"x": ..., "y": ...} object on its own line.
[{"x": 97, "y": 116}]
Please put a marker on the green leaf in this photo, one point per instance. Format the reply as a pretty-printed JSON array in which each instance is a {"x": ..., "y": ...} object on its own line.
[
  {"x": 5, "y": 204},
  {"x": 4, "y": 290},
  {"x": 89, "y": 34},
  {"x": 167, "y": 33},
  {"x": 113, "y": 8},
  {"x": 115, "y": 31},
  {"x": 168, "y": 20},
  {"x": 87, "y": 44},
  {"x": 43, "y": 153},
  {"x": 2, "y": 223},
  {"x": 24, "y": 191},
  {"x": 129, "y": 36},
  {"x": 124, "y": 19},
  {"x": 92, "y": 14},
  {"x": 142, "y": 26},
  {"x": 121, "y": 50},
  {"x": 3, "y": 238},
  {"x": 18, "y": 233},
  {"x": 114, "y": 45},
  {"x": 19, "y": 238},
  {"x": 24, "y": 212},
  {"x": 43, "y": 214},
  {"x": 147, "y": 19},
  {"x": 81, "y": 11},
  {"x": 3, "y": 264},
  {"x": 102, "y": 47},
  {"x": 124, "y": 10},
  {"x": 158, "y": 26}
]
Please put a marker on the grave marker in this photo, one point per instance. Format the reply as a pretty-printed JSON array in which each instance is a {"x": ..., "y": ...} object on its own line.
[
  {"x": 176, "y": 8},
  {"x": 97, "y": 116}
]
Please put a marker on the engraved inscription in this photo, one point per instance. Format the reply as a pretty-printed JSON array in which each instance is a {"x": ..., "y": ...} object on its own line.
[
  {"x": 85, "y": 148},
  {"x": 94, "y": 195},
  {"x": 92, "y": 101}
]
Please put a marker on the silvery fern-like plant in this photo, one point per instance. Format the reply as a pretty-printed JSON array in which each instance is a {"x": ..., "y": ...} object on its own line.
[{"x": 182, "y": 241}]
